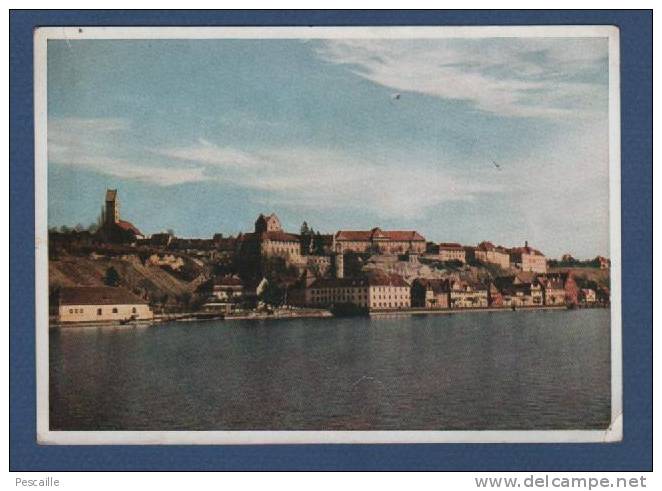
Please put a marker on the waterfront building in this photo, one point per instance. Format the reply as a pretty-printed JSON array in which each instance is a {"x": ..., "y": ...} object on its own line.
[
  {"x": 115, "y": 229},
  {"x": 554, "y": 281},
  {"x": 588, "y": 295},
  {"x": 465, "y": 294},
  {"x": 378, "y": 241},
  {"x": 451, "y": 251},
  {"x": 101, "y": 304},
  {"x": 386, "y": 291},
  {"x": 226, "y": 294},
  {"x": 494, "y": 296},
  {"x": 528, "y": 259},
  {"x": 553, "y": 288},
  {"x": 520, "y": 290},
  {"x": 430, "y": 293},
  {"x": 487, "y": 252}
]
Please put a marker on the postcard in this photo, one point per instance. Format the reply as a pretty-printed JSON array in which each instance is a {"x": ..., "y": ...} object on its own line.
[{"x": 327, "y": 234}]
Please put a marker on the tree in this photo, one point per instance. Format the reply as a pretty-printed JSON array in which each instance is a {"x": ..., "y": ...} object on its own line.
[
  {"x": 318, "y": 244},
  {"x": 112, "y": 277},
  {"x": 304, "y": 229},
  {"x": 273, "y": 294},
  {"x": 171, "y": 232}
]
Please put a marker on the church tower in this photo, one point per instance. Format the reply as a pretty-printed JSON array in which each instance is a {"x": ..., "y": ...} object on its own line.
[{"x": 112, "y": 208}]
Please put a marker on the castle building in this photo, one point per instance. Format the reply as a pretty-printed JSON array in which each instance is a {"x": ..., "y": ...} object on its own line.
[
  {"x": 269, "y": 240},
  {"x": 378, "y": 241},
  {"x": 486, "y": 252},
  {"x": 451, "y": 251},
  {"x": 528, "y": 259}
]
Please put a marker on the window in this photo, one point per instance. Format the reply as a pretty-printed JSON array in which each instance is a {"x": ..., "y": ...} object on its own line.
[
  {"x": 98, "y": 311},
  {"x": 71, "y": 311},
  {"x": 133, "y": 310},
  {"x": 114, "y": 310}
]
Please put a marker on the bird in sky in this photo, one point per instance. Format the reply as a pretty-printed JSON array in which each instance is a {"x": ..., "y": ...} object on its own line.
[
  {"x": 396, "y": 96},
  {"x": 496, "y": 165}
]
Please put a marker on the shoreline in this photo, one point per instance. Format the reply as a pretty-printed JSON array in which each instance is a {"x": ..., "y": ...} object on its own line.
[{"x": 317, "y": 314}]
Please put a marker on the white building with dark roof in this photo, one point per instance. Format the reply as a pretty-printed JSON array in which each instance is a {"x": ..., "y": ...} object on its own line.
[
  {"x": 380, "y": 292},
  {"x": 101, "y": 304},
  {"x": 379, "y": 241}
]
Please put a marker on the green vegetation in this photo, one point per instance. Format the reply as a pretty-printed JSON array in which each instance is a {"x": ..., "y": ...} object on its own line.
[{"x": 112, "y": 277}]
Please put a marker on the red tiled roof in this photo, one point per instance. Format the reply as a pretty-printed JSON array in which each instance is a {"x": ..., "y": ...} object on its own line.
[
  {"x": 129, "y": 227},
  {"x": 377, "y": 233},
  {"x": 98, "y": 295},
  {"x": 486, "y": 245},
  {"x": 526, "y": 250}
]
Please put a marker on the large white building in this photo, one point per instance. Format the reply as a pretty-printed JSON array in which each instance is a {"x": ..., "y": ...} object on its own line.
[
  {"x": 388, "y": 292},
  {"x": 101, "y": 304},
  {"x": 528, "y": 259}
]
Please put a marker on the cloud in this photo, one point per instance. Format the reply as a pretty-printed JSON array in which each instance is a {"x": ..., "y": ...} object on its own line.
[
  {"x": 288, "y": 176},
  {"x": 523, "y": 78},
  {"x": 92, "y": 144},
  {"x": 324, "y": 179}
]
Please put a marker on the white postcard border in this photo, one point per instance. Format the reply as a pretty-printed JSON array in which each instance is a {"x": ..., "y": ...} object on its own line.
[{"x": 47, "y": 437}]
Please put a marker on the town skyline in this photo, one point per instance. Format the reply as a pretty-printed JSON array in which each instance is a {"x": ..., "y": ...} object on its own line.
[
  {"x": 501, "y": 140},
  {"x": 101, "y": 221}
]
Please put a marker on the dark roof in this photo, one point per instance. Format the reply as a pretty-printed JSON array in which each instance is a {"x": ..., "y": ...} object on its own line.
[
  {"x": 339, "y": 282},
  {"x": 373, "y": 280},
  {"x": 486, "y": 245},
  {"x": 452, "y": 246},
  {"x": 161, "y": 238},
  {"x": 553, "y": 280},
  {"x": 386, "y": 279},
  {"x": 98, "y": 295},
  {"x": 525, "y": 250},
  {"x": 377, "y": 233},
  {"x": 228, "y": 281},
  {"x": 507, "y": 285},
  {"x": 436, "y": 285},
  {"x": 462, "y": 285}
]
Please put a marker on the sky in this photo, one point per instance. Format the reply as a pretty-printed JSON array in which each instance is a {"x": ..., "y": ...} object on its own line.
[{"x": 463, "y": 140}]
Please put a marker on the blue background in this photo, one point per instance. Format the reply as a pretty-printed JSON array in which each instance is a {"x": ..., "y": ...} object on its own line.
[{"x": 634, "y": 453}]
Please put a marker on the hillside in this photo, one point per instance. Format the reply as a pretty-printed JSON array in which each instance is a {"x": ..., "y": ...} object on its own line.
[
  {"x": 599, "y": 276},
  {"x": 157, "y": 284}
]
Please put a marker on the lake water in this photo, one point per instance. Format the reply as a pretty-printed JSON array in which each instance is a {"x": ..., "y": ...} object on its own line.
[{"x": 501, "y": 370}]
